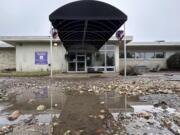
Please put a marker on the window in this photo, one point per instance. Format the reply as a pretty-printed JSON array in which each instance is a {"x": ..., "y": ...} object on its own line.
[
  {"x": 149, "y": 55},
  {"x": 139, "y": 55},
  {"x": 72, "y": 56},
  {"x": 99, "y": 59},
  {"x": 143, "y": 55},
  {"x": 159, "y": 54},
  {"x": 129, "y": 55},
  {"x": 110, "y": 58},
  {"x": 102, "y": 60},
  {"x": 110, "y": 47}
]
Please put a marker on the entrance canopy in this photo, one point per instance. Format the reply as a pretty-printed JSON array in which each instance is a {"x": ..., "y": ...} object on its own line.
[{"x": 87, "y": 22}]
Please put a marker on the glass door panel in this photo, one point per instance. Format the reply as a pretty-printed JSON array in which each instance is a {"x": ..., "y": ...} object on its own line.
[
  {"x": 81, "y": 66},
  {"x": 81, "y": 63}
]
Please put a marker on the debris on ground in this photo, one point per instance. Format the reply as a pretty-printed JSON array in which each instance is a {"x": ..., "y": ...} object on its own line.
[
  {"x": 41, "y": 108},
  {"x": 80, "y": 112},
  {"x": 14, "y": 115},
  {"x": 6, "y": 129},
  {"x": 83, "y": 119}
]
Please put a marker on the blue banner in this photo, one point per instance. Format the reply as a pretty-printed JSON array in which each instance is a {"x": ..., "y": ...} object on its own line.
[{"x": 41, "y": 58}]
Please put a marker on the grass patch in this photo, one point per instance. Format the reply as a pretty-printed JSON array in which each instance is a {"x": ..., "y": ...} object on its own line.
[{"x": 24, "y": 74}]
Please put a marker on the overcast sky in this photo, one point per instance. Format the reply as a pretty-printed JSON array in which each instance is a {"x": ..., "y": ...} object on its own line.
[{"x": 148, "y": 20}]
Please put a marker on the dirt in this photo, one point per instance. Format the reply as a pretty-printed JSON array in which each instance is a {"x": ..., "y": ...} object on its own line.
[{"x": 91, "y": 106}]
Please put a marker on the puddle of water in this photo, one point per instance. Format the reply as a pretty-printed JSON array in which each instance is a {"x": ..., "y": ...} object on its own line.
[
  {"x": 27, "y": 103},
  {"x": 123, "y": 107},
  {"x": 41, "y": 118},
  {"x": 131, "y": 104}
]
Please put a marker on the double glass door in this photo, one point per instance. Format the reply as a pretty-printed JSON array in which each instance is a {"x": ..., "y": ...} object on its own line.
[{"x": 77, "y": 62}]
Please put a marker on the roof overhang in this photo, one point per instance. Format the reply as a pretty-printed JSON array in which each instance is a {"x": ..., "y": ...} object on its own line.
[
  {"x": 16, "y": 40},
  {"x": 87, "y": 22}
]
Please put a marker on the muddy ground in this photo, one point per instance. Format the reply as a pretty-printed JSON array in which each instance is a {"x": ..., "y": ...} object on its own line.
[{"x": 91, "y": 106}]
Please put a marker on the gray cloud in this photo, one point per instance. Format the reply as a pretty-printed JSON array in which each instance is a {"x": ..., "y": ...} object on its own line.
[{"x": 148, "y": 20}]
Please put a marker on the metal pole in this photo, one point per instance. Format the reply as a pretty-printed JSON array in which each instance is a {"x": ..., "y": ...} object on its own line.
[
  {"x": 51, "y": 71},
  {"x": 125, "y": 53},
  {"x": 51, "y": 51}
]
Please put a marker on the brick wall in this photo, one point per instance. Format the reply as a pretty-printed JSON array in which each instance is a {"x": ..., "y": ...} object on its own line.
[{"x": 7, "y": 58}]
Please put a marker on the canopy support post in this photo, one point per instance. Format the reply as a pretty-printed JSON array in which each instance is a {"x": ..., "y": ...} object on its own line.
[
  {"x": 51, "y": 59},
  {"x": 125, "y": 53}
]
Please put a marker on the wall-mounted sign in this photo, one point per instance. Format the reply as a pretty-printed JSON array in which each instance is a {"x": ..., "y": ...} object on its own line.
[
  {"x": 120, "y": 34},
  {"x": 41, "y": 58}
]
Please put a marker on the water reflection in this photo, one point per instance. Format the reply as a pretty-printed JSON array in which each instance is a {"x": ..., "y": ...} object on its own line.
[
  {"x": 28, "y": 101},
  {"x": 118, "y": 103}
]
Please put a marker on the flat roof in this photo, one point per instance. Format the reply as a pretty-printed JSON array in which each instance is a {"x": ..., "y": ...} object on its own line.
[
  {"x": 23, "y": 39},
  {"x": 5, "y": 45},
  {"x": 156, "y": 43},
  {"x": 13, "y": 40}
]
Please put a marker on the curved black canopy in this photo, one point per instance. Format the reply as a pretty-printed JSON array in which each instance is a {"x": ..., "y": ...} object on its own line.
[{"x": 86, "y": 22}]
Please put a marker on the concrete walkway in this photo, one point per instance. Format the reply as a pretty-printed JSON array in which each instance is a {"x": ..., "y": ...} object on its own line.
[{"x": 86, "y": 75}]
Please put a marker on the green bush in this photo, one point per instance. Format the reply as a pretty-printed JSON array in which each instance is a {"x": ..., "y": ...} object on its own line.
[{"x": 173, "y": 62}]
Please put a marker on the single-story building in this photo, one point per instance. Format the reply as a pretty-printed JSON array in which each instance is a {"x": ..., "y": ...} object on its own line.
[
  {"x": 27, "y": 53},
  {"x": 7, "y": 56},
  {"x": 86, "y": 43}
]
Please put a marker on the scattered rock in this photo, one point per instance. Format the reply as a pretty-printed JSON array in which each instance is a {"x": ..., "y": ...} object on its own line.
[
  {"x": 161, "y": 104},
  {"x": 145, "y": 115},
  {"x": 68, "y": 132},
  {"x": 29, "y": 119},
  {"x": 101, "y": 116},
  {"x": 167, "y": 123},
  {"x": 102, "y": 111},
  {"x": 177, "y": 118},
  {"x": 31, "y": 101},
  {"x": 14, "y": 115},
  {"x": 55, "y": 124},
  {"x": 6, "y": 129},
  {"x": 55, "y": 105},
  {"x": 41, "y": 108}
]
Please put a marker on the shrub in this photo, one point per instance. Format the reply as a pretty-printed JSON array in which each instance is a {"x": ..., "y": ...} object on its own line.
[
  {"x": 173, "y": 62},
  {"x": 130, "y": 71}
]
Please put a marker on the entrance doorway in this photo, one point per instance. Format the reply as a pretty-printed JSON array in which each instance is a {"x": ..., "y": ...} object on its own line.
[
  {"x": 77, "y": 62},
  {"x": 102, "y": 60},
  {"x": 81, "y": 63}
]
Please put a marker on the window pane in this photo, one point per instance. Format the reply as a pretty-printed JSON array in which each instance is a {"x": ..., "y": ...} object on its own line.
[
  {"x": 99, "y": 59},
  {"x": 89, "y": 59},
  {"x": 100, "y": 69},
  {"x": 110, "y": 58},
  {"x": 159, "y": 55},
  {"x": 72, "y": 56},
  {"x": 80, "y": 58},
  {"x": 110, "y": 47},
  {"x": 72, "y": 66},
  {"x": 139, "y": 54},
  {"x": 110, "y": 69},
  {"x": 149, "y": 55},
  {"x": 129, "y": 55}
]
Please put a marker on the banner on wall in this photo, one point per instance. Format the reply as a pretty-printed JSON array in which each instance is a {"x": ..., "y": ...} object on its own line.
[{"x": 41, "y": 58}]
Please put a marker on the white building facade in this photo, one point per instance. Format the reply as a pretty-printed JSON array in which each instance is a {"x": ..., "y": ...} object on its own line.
[{"x": 33, "y": 54}]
